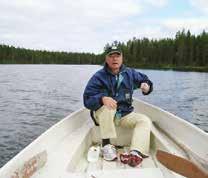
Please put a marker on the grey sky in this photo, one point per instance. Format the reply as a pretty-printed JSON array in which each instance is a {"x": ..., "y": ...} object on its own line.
[{"x": 86, "y": 26}]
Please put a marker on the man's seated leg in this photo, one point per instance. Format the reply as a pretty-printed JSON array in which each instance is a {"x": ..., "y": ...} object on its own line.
[
  {"x": 105, "y": 118},
  {"x": 141, "y": 136}
]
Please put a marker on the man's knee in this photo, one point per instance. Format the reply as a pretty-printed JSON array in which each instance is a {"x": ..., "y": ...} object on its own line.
[
  {"x": 104, "y": 109},
  {"x": 104, "y": 113},
  {"x": 144, "y": 119},
  {"x": 135, "y": 119}
]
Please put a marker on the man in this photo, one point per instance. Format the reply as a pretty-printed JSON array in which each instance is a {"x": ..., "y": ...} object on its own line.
[{"x": 109, "y": 93}]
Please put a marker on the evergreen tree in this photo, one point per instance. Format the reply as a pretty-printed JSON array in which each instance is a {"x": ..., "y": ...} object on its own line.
[{"x": 183, "y": 51}]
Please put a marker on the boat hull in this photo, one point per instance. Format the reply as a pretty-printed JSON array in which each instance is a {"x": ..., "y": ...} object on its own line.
[{"x": 65, "y": 144}]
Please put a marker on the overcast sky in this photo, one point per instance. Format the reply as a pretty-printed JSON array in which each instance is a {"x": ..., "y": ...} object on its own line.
[{"x": 87, "y": 25}]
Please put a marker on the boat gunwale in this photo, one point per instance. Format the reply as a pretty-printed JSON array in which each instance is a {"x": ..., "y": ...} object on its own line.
[{"x": 10, "y": 163}]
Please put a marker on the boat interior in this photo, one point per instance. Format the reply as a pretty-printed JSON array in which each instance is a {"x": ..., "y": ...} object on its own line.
[
  {"x": 61, "y": 151},
  {"x": 68, "y": 157}
]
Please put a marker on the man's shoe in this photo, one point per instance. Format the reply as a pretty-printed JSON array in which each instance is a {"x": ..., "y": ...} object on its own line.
[
  {"x": 109, "y": 152},
  {"x": 124, "y": 157},
  {"x": 134, "y": 159}
]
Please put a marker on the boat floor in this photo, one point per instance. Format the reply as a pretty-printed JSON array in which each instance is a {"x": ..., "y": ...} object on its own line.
[
  {"x": 101, "y": 164},
  {"x": 104, "y": 169},
  {"x": 68, "y": 158}
]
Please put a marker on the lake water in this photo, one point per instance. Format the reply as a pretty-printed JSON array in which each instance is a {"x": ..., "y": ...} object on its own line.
[{"x": 34, "y": 97}]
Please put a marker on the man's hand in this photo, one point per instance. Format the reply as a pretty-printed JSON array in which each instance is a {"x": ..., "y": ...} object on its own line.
[
  {"x": 109, "y": 102},
  {"x": 145, "y": 87}
]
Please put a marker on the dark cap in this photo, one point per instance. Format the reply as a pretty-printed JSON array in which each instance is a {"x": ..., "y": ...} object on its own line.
[{"x": 112, "y": 49}]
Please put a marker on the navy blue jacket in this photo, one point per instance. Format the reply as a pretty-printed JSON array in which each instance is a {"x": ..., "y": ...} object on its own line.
[{"x": 120, "y": 87}]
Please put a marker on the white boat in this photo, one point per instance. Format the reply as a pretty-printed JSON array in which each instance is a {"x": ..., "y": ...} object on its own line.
[{"x": 61, "y": 152}]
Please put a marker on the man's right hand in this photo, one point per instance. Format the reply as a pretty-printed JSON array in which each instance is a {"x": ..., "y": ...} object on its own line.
[{"x": 109, "y": 102}]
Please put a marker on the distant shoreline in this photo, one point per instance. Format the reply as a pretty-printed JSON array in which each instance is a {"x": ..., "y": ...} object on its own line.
[
  {"x": 184, "y": 52},
  {"x": 182, "y": 68}
]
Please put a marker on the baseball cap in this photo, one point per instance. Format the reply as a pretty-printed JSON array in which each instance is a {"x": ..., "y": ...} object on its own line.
[{"x": 112, "y": 49}]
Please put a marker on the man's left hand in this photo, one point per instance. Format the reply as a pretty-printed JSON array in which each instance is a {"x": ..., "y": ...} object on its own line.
[{"x": 145, "y": 87}]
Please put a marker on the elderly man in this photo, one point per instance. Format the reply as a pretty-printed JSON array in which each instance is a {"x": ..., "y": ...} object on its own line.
[{"x": 109, "y": 93}]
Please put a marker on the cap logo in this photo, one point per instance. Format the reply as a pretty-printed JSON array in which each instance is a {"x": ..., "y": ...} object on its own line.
[{"x": 114, "y": 47}]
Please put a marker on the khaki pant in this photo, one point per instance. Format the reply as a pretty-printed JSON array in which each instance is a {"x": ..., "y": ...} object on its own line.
[{"x": 139, "y": 122}]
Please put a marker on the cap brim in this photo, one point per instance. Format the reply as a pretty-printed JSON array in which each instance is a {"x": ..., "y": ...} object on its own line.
[{"x": 112, "y": 52}]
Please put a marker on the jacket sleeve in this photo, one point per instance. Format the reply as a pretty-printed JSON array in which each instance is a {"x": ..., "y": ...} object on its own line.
[
  {"x": 139, "y": 78},
  {"x": 93, "y": 93}
]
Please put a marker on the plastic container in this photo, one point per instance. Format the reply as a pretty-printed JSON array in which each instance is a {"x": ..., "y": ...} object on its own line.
[{"x": 93, "y": 154}]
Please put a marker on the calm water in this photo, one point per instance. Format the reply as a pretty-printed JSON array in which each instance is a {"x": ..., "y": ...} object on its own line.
[{"x": 34, "y": 97}]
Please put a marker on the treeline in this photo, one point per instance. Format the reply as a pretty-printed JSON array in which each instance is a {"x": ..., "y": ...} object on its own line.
[
  {"x": 186, "y": 51},
  {"x": 12, "y": 55}
]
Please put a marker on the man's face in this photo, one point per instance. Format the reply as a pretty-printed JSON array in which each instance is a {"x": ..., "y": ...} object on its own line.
[{"x": 114, "y": 61}]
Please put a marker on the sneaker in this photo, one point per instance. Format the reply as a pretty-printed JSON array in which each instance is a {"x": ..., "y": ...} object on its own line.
[
  {"x": 124, "y": 157},
  {"x": 134, "y": 159},
  {"x": 142, "y": 155},
  {"x": 109, "y": 152}
]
